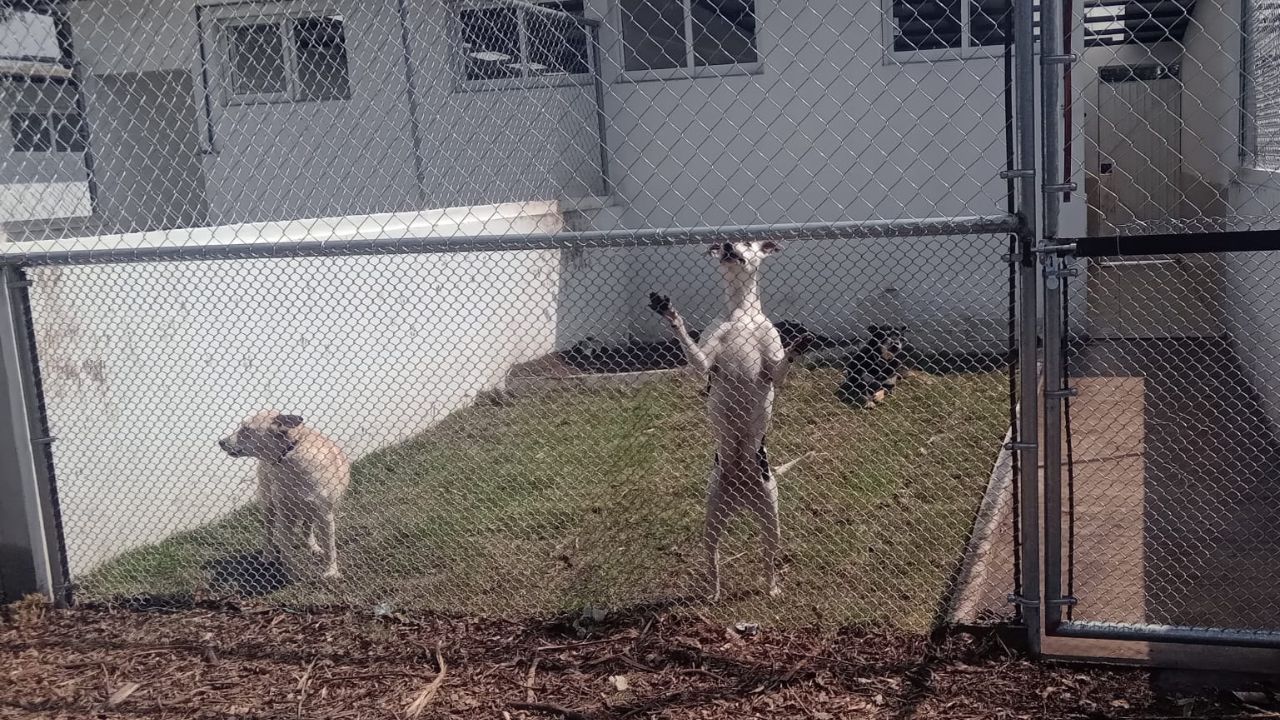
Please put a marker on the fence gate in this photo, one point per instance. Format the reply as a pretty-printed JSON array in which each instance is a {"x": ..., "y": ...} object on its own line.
[
  {"x": 1161, "y": 322},
  {"x": 418, "y": 239}
]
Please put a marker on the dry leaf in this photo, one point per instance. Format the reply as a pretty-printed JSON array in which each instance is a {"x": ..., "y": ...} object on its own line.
[
  {"x": 420, "y": 703},
  {"x": 1123, "y": 704},
  {"x": 620, "y": 682},
  {"x": 122, "y": 693}
]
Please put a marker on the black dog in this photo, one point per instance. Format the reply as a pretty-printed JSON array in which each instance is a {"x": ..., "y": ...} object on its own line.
[{"x": 872, "y": 372}]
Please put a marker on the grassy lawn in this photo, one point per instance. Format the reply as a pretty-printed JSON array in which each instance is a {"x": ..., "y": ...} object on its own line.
[{"x": 559, "y": 499}]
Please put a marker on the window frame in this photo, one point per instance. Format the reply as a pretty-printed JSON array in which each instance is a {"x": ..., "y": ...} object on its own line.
[
  {"x": 53, "y": 120},
  {"x": 458, "y": 65},
  {"x": 284, "y": 21},
  {"x": 690, "y": 70},
  {"x": 967, "y": 51}
]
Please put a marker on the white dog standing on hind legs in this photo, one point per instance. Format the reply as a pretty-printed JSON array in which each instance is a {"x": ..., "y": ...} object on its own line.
[{"x": 744, "y": 361}]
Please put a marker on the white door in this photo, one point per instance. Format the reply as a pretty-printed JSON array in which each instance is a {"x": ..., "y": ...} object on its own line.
[{"x": 1139, "y": 180}]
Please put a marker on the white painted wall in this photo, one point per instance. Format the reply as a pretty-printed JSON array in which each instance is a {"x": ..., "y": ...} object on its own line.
[
  {"x": 145, "y": 366},
  {"x": 827, "y": 130},
  {"x": 288, "y": 160}
]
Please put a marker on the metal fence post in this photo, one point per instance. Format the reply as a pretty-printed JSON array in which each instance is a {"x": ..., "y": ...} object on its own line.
[
  {"x": 1053, "y": 186},
  {"x": 30, "y": 545},
  {"x": 1028, "y": 420}
]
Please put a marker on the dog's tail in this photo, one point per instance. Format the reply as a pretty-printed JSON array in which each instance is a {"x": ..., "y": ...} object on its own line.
[{"x": 782, "y": 469}]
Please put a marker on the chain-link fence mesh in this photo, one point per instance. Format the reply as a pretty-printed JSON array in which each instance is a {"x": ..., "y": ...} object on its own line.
[
  {"x": 1168, "y": 457},
  {"x": 505, "y": 428}
]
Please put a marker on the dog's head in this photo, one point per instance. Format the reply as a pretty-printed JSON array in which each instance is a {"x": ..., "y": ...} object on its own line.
[
  {"x": 889, "y": 340},
  {"x": 267, "y": 434},
  {"x": 740, "y": 256}
]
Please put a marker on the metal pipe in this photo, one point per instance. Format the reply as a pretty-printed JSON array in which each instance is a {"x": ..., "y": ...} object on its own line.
[
  {"x": 1050, "y": 94},
  {"x": 1053, "y": 380},
  {"x": 859, "y": 229},
  {"x": 1028, "y": 420},
  {"x": 1168, "y": 634},
  {"x": 411, "y": 99},
  {"x": 602, "y": 119}
]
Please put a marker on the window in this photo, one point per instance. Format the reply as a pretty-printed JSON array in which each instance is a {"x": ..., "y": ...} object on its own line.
[
  {"x": 1261, "y": 77},
  {"x": 47, "y": 132},
  {"x": 289, "y": 58},
  {"x": 500, "y": 42},
  {"x": 687, "y": 34},
  {"x": 934, "y": 28}
]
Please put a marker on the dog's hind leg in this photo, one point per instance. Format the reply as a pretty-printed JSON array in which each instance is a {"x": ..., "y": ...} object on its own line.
[
  {"x": 764, "y": 503},
  {"x": 716, "y": 521},
  {"x": 312, "y": 545}
]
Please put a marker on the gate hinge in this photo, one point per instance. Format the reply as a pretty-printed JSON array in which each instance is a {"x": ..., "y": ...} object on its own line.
[
  {"x": 1067, "y": 601},
  {"x": 1020, "y": 446},
  {"x": 1064, "y": 59},
  {"x": 1010, "y": 174},
  {"x": 1059, "y": 187},
  {"x": 47, "y": 440},
  {"x": 1068, "y": 392},
  {"x": 1016, "y": 599}
]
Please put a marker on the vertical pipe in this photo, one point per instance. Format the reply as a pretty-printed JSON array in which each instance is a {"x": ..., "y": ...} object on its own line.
[
  {"x": 602, "y": 120},
  {"x": 1050, "y": 95},
  {"x": 1028, "y": 421},
  {"x": 411, "y": 97}
]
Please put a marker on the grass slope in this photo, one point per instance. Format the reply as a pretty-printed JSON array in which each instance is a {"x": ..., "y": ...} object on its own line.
[{"x": 558, "y": 499}]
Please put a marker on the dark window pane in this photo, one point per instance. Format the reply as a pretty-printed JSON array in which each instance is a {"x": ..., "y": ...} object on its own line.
[
  {"x": 927, "y": 24},
  {"x": 30, "y": 132},
  {"x": 653, "y": 34},
  {"x": 490, "y": 43},
  {"x": 68, "y": 133},
  {"x": 557, "y": 47},
  {"x": 990, "y": 21},
  {"x": 724, "y": 31},
  {"x": 322, "y": 58},
  {"x": 257, "y": 60}
]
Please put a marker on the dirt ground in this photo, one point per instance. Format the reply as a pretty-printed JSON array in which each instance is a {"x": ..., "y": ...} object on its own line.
[{"x": 233, "y": 661}]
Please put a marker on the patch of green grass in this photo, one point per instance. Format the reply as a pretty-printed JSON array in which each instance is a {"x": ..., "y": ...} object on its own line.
[{"x": 570, "y": 497}]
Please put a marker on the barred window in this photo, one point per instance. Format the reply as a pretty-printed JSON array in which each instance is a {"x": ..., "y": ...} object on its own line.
[
  {"x": 949, "y": 24},
  {"x": 289, "y": 58},
  {"x": 46, "y": 132},
  {"x": 509, "y": 42},
  {"x": 1261, "y": 116},
  {"x": 687, "y": 34}
]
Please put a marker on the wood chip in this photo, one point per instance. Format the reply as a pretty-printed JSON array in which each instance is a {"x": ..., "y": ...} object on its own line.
[
  {"x": 122, "y": 693},
  {"x": 424, "y": 698}
]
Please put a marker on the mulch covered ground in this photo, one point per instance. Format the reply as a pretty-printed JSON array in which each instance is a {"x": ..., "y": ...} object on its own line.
[{"x": 232, "y": 661}]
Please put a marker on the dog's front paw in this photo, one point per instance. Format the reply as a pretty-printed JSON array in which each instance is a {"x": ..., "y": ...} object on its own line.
[
  {"x": 660, "y": 304},
  {"x": 332, "y": 574},
  {"x": 775, "y": 590}
]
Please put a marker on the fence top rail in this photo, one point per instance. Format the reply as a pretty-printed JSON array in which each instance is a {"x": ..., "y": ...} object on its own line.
[{"x": 350, "y": 239}]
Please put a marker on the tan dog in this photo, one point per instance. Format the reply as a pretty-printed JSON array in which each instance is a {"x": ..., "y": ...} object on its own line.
[{"x": 302, "y": 475}]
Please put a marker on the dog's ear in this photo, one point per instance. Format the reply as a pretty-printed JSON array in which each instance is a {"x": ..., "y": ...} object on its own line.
[
  {"x": 713, "y": 251},
  {"x": 288, "y": 422},
  {"x": 770, "y": 247}
]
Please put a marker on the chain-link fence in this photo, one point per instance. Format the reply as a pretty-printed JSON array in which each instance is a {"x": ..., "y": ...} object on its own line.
[
  {"x": 1160, "y": 377},
  {"x": 404, "y": 258}
]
